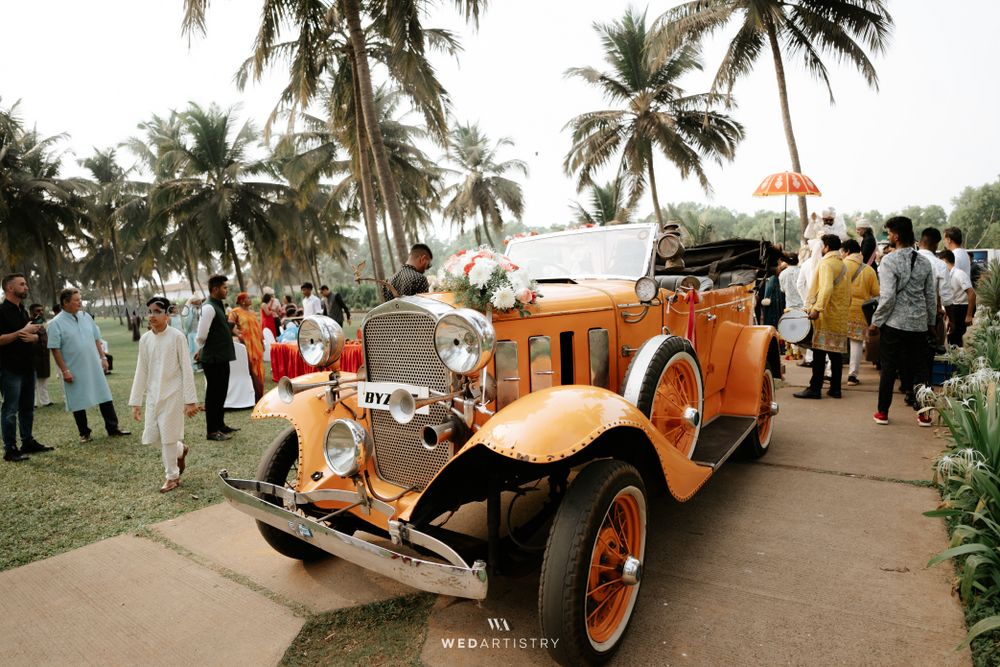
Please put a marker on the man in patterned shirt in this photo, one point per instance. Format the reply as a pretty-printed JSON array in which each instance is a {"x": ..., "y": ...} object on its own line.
[
  {"x": 410, "y": 279},
  {"x": 907, "y": 311}
]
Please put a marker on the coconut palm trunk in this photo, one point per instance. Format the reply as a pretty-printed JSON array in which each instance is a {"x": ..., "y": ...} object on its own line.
[
  {"x": 387, "y": 184},
  {"x": 486, "y": 227},
  {"x": 365, "y": 179},
  {"x": 652, "y": 190},
  {"x": 786, "y": 117},
  {"x": 231, "y": 248}
]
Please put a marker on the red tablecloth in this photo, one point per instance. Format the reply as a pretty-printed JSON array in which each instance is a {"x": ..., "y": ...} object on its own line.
[{"x": 285, "y": 360}]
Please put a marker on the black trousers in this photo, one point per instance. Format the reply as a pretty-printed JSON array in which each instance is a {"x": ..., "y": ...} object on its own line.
[
  {"x": 819, "y": 368},
  {"x": 906, "y": 353},
  {"x": 107, "y": 412},
  {"x": 956, "y": 322},
  {"x": 217, "y": 377}
]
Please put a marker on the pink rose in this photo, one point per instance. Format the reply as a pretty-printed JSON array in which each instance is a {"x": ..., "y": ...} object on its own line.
[{"x": 525, "y": 295}]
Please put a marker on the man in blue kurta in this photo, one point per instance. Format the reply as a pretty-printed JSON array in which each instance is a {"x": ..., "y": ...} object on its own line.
[{"x": 75, "y": 342}]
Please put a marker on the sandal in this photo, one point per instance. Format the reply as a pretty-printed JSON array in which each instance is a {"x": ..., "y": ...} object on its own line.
[
  {"x": 180, "y": 459},
  {"x": 170, "y": 485}
]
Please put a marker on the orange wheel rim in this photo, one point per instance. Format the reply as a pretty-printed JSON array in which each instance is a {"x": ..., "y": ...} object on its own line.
[
  {"x": 764, "y": 416},
  {"x": 676, "y": 391},
  {"x": 609, "y": 598}
]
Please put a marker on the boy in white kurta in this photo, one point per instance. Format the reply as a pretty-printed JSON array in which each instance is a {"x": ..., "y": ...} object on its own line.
[{"x": 164, "y": 375}]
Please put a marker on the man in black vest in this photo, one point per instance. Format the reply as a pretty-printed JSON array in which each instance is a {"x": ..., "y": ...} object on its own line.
[{"x": 215, "y": 351}]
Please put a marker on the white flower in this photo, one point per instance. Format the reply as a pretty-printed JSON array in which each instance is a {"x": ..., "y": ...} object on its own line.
[
  {"x": 519, "y": 279},
  {"x": 481, "y": 272},
  {"x": 503, "y": 298}
]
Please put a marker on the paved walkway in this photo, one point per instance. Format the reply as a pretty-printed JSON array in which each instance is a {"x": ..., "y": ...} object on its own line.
[{"x": 814, "y": 555}]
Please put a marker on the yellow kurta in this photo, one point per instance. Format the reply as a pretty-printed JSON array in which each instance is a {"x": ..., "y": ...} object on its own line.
[
  {"x": 830, "y": 296},
  {"x": 864, "y": 287}
]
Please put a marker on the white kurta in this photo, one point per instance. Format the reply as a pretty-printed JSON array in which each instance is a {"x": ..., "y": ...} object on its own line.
[{"x": 163, "y": 374}]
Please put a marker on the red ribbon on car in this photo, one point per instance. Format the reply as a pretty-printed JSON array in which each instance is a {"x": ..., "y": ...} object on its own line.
[{"x": 693, "y": 299}]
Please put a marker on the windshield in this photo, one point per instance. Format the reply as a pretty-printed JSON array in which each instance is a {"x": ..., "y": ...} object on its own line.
[{"x": 601, "y": 252}]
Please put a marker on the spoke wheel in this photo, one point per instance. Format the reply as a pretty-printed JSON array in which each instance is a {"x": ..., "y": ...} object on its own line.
[
  {"x": 593, "y": 563},
  {"x": 664, "y": 381},
  {"x": 759, "y": 439},
  {"x": 279, "y": 465}
]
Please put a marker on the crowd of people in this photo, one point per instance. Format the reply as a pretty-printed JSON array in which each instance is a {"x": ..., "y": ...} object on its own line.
[
  {"x": 917, "y": 298},
  {"x": 198, "y": 336}
]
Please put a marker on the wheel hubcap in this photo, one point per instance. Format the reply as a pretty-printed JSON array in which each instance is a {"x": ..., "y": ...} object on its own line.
[
  {"x": 673, "y": 412},
  {"x": 614, "y": 571}
]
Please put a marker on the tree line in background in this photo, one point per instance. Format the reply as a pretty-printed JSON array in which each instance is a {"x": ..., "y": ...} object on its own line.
[{"x": 202, "y": 193}]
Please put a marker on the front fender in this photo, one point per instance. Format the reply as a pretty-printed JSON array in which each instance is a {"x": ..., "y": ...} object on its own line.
[
  {"x": 755, "y": 350},
  {"x": 558, "y": 424},
  {"x": 310, "y": 417}
]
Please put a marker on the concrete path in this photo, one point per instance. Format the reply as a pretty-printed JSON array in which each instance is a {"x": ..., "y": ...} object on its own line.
[{"x": 814, "y": 555}]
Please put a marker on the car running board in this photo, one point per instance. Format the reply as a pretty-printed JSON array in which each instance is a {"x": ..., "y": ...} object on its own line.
[{"x": 720, "y": 438}]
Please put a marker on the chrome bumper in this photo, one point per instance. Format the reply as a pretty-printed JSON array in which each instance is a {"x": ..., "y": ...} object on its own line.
[{"x": 454, "y": 578}]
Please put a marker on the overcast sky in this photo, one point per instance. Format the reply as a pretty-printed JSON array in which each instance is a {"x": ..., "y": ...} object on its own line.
[{"x": 95, "y": 69}]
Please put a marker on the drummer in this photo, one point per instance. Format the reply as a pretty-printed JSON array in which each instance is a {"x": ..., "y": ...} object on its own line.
[{"x": 829, "y": 301}]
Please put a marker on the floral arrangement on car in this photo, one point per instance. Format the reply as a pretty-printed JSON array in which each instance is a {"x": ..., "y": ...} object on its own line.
[{"x": 484, "y": 280}]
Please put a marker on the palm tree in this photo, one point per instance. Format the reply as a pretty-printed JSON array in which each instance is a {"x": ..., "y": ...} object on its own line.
[
  {"x": 607, "y": 205},
  {"x": 653, "y": 113},
  {"x": 803, "y": 29},
  {"x": 315, "y": 51},
  {"x": 38, "y": 209},
  {"x": 212, "y": 191},
  {"x": 482, "y": 187}
]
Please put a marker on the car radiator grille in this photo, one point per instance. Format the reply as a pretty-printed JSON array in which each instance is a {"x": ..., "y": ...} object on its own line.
[{"x": 399, "y": 347}]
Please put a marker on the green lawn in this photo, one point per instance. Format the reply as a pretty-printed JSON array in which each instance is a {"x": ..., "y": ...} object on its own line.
[{"x": 82, "y": 493}]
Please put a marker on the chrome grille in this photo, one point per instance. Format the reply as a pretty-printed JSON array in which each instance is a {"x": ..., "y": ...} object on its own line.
[{"x": 399, "y": 347}]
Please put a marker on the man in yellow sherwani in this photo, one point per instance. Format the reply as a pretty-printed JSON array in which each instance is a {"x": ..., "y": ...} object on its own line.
[{"x": 828, "y": 305}]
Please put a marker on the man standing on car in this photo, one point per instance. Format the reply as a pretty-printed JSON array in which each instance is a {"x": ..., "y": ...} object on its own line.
[
  {"x": 907, "y": 310},
  {"x": 215, "y": 351},
  {"x": 410, "y": 279},
  {"x": 18, "y": 337}
]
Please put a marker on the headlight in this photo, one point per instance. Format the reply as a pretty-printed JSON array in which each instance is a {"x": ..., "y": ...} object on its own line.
[
  {"x": 321, "y": 340},
  {"x": 464, "y": 340},
  {"x": 646, "y": 289},
  {"x": 346, "y": 447}
]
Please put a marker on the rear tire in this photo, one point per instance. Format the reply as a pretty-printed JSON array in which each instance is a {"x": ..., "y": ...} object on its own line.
[
  {"x": 279, "y": 466},
  {"x": 759, "y": 439},
  {"x": 584, "y": 601}
]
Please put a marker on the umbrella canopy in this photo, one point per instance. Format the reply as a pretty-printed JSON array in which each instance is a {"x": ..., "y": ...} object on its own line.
[{"x": 786, "y": 183}]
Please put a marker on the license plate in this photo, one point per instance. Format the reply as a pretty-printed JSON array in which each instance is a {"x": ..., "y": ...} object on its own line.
[{"x": 375, "y": 395}]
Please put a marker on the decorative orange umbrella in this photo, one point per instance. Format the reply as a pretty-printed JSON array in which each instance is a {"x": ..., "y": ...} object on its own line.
[{"x": 786, "y": 183}]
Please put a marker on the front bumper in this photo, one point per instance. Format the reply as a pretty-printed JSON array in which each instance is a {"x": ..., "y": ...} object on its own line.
[{"x": 455, "y": 578}]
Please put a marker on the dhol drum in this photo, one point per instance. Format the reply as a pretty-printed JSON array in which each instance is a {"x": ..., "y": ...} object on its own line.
[{"x": 795, "y": 326}]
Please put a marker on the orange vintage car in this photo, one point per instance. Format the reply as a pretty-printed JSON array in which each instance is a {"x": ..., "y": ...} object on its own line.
[{"x": 625, "y": 379}]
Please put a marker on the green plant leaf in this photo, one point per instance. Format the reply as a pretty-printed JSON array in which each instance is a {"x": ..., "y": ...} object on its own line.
[{"x": 985, "y": 625}]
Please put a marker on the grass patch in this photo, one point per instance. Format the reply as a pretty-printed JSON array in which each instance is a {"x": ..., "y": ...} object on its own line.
[
  {"x": 390, "y": 632},
  {"x": 82, "y": 493}
]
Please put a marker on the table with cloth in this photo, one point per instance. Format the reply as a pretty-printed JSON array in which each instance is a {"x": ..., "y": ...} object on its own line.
[{"x": 285, "y": 360}]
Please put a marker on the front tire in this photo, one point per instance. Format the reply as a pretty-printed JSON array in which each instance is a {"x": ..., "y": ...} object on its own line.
[
  {"x": 279, "y": 466},
  {"x": 664, "y": 382},
  {"x": 589, "y": 581}
]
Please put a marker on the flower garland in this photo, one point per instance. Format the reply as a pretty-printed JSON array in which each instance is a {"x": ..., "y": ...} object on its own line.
[{"x": 483, "y": 279}]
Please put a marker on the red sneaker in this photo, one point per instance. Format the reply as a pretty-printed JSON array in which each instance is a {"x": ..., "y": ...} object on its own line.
[
  {"x": 924, "y": 419},
  {"x": 881, "y": 418}
]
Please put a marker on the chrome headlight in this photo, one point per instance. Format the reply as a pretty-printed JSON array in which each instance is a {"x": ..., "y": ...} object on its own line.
[
  {"x": 464, "y": 340},
  {"x": 321, "y": 340},
  {"x": 346, "y": 447},
  {"x": 646, "y": 289}
]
